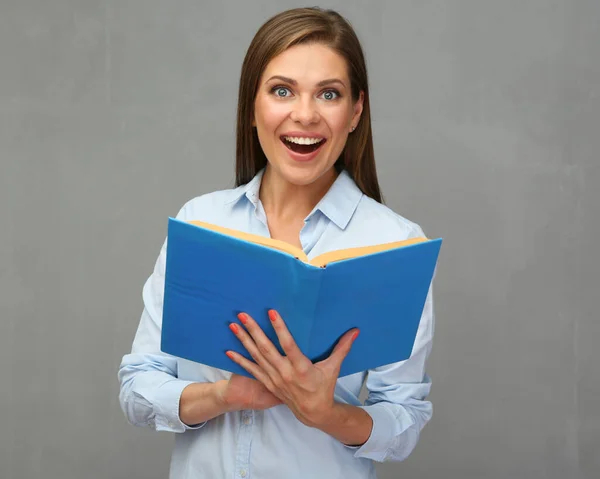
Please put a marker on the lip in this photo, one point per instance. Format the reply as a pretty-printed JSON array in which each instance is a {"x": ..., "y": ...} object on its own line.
[{"x": 302, "y": 157}]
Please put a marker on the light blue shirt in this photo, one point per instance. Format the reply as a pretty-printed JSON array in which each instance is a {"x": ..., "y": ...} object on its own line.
[{"x": 273, "y": 443}]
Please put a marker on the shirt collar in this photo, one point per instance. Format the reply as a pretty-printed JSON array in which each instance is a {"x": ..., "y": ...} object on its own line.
[
  {"x": 338, "y": 204},
  {"x": 250, "y": 190}
]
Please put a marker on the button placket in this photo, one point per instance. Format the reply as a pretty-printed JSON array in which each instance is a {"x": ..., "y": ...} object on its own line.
[{"x": 245, "y": 438}]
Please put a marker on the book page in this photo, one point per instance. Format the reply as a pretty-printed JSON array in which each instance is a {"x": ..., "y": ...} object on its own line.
[
  {"x": 257, "y": 239},
  {"x": 342, "y": 254}
]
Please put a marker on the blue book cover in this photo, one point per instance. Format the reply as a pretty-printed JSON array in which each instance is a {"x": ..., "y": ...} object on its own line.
[{"x": 213, "y": 273}]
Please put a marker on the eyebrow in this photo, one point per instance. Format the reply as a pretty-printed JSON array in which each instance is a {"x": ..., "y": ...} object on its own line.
[{"x": 322, "y": 83}]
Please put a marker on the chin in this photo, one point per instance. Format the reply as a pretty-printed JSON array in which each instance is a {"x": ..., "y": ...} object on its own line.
[{"x": 304, "y": 174}]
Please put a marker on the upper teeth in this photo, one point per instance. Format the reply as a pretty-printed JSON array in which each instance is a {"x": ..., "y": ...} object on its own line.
[{"x": 303, "y": 141}]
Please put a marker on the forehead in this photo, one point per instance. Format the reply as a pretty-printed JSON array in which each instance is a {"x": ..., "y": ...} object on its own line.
[{"x": 309, "y": 63}]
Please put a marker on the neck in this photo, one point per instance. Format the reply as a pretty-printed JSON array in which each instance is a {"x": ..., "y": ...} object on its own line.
[{"x": 289, "y": 202}]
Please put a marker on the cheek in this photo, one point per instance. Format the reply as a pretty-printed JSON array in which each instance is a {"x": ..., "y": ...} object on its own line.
[
  {"x": 339, "y": 121},
  {"x": 270, "y": 114}
]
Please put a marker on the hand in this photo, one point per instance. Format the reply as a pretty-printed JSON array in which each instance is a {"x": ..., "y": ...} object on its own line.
[
  {"x": 306, "y": 388},
  {"x": 240, "y": 392}
]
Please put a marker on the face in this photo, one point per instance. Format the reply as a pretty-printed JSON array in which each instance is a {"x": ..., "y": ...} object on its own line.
[{"x": 304, "y": 112}]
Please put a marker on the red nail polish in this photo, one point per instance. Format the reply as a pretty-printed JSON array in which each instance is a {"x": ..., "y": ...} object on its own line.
[
  {"x": 234, "y": 327},
  {"x": 272, "y": 315},
  {"x": 229, "y": 354},
  {"x": 243, "y": 318},
  {"x": 355, "y": 335}
]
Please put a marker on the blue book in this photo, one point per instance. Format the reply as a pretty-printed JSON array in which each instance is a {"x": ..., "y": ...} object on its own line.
[{"x": 214, "y": 273}]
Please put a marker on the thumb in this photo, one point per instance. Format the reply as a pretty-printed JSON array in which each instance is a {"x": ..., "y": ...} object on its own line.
[{"x": 341, "y": 350}]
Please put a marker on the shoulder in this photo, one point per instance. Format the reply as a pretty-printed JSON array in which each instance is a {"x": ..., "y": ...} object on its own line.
[
  {"x": 388, "y": 224},
  {"x": 210, "y": 206}
]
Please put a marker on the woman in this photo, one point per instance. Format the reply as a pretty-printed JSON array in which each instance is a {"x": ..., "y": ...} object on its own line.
[{"x": 305, "y": 174}]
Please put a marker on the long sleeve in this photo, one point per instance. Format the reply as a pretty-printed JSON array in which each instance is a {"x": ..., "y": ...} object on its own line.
[
  {"x": 397, "y": 399},
  {"x": 149, "y": 388}
]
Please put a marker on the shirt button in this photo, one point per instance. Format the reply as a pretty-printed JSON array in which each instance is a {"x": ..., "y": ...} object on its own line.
[
  {"x": 243, "y": 473},
  {"x": 246, "y": 420}
]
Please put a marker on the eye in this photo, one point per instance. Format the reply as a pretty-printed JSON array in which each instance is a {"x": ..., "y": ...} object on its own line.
[
  {"x": 330, "y": 95},
  {"x": 280, "y": 91}
]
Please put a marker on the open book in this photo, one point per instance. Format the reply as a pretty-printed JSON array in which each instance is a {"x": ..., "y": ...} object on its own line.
[
  {"x": 213, "y": 273},
  {"x": 320, "y": 260}
]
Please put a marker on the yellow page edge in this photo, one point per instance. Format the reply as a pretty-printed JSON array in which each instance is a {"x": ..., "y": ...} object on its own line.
[{"x": 321, "y": 260}]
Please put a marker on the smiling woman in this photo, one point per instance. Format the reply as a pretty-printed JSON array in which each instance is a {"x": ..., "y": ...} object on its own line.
[
  {"x": 304, "y": 111},
  {"x": 305, "y": 174}
]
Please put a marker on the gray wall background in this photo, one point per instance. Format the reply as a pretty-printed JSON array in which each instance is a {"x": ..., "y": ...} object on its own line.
[{"x": 114, "y": 113}]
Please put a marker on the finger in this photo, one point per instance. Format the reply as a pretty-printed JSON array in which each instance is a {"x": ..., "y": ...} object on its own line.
[
  {"x": 341, "y": 350},
  {"x": 263, "y": 344},
  {"x": 254, "y": 369},
  {"x": 250, "y": 345},
  {"x": 289, "y": 346}
]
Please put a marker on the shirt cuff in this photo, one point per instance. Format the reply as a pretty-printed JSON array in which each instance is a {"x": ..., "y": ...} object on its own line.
[
  {"x": 385, "y": 428},
  {"x": 166, "y": 407}
]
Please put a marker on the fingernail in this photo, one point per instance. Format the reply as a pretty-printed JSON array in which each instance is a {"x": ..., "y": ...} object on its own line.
[
  {"x": 229, "y": 354},
  {"x": 243, "y": 318},
  {"x": 234, "y": 327},
  {"x": 355, "y": 335},
  {"x": 272, "y": 315}
]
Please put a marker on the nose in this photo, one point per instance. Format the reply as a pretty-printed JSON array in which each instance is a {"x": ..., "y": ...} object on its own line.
[{"x": 305, "y": 112}]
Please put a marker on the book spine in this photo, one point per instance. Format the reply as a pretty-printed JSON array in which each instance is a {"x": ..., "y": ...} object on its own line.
[
  {"x": 304, "y": 288},
  {"x": 316, "y": 277}
]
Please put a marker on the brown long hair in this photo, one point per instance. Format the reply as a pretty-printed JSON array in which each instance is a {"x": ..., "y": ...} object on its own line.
[{"x": 289, "y": 28}]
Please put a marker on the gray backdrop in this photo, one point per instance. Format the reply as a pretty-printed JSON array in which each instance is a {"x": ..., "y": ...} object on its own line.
[{"x": 486, "y": 116}]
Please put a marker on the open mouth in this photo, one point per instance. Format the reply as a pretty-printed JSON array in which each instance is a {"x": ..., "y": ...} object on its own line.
[{"x": 303, "y": 146}]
